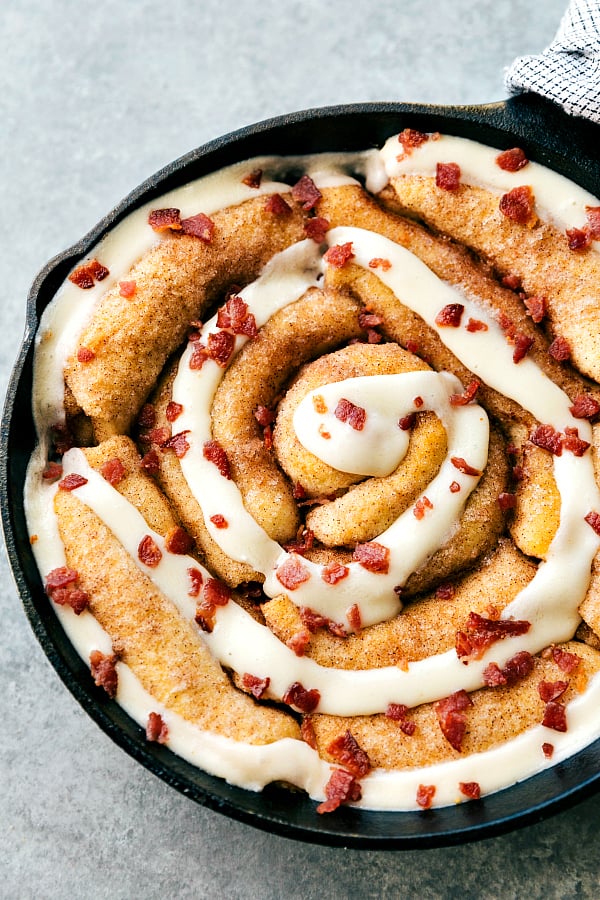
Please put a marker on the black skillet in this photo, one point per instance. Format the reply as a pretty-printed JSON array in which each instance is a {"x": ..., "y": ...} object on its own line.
[{"x": 549, "y": 136}]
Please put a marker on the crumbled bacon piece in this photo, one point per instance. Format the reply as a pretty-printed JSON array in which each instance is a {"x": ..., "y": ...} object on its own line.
[
  {"x": 593, "y": 520},
  {"x": 578, "y": 238},
  {"x": 104, "y": 672},
  {"x": 397, "y": 712},
  {"x": 316, "y": 228},
  {"x": 451, "y": 717},
  {"x": 548, "y": 750},
  {"x": 85, "y": 355},
  {"x": 299, "y": 641},
  {"x": 518, "y": 205},
  {"x": 454, "y": 487},
  {"x": 340, "y": 254},
  {"x": 156, "y": 729},
  {"x": 481, "y": 633},
  {"x": 552, "y": 690},
  {"x": 425, "y": 795},
  {"x": 303, "y": 700},
  {"x": 354, "y": 617},
  {"x": 127, "y": 289},
  {"x": 459, "y": 463},
  {"x": 292, "y": 573},
  {"x": 173, "y": 411},
  {"x": 536, "y": 307},
  {"x": 341, "y": 788},
  {"x": 253, "y": 179},
  {"x": 195, "y": 576},
  {"x": 85, "y": 275},
  {"x": 514, "y": 670},
  {"x": 585, "y": 407},
  {"x": 560, "y": 349},
  {"x": 219, "y": 521},
  {"x": 450, "y": 315},
  {"x": 512, "y": 160},
  {"x": 168, "y": 219},
  {"x": 150, "y": 462},
  {"x": 277, "y": 206},
  {"x": 470, "y": 789},
  {"x": 307, "y": 732},
  {"x": 214, "y": 453},
  {"x": 304, "y": 541},
  {"x": 523, "y": 344},
  {"x": 216, "y": 592},
  {"x": 306, "y": 193},
  {"x": 368, "y": 319},
  {"x": 147, "y": 416},
  {"x": 52, "y": 471},
  {"x": 346, "y": 750},
  {"x": 148, "y": 552},
  {"x": 545, "y": 437},
  {"x": 593, "y": 221},
  {"x": 72, "y": 482},
  {"x": 567, "y": 662},
  {"x": 411, "y": 138},
  {"x": 555, "y": 716},
  {"x": 334, "y": 572},
  {"x": 474, "y": 325},
  {"x": 506, "y": 501},
  {"x": 254, "y": 685},
  {"x": 179, "y": 541},
  {"x": 113, "y": 471},
  {"x": 198, "y": 356},
  {"x": 413, "y": 347},
  {"x": 573, "y": 443},
  {"x": 421, "y": 507},
  {"x": 61, "y": 438},
  {"x": 264, "y": 416},
  {"x": 157, "y": 436},
  {"x": 407, "y": 422},
  {"x": 513, "y": 282},
  {"x": 447, "y": 176},
  {"x": 235, "y": 316},
  {"x": 60, "y": 587},
  {"x": 445, "y": 592},
  {"x": 220, "y": 346},
  {"x": 178, "y": 443},
  {"x": 467, "y": 395},
  {"x": 379, "y": 262},
  {"x": 355, "y": 416},
  {"x": 372, "y": 556}
]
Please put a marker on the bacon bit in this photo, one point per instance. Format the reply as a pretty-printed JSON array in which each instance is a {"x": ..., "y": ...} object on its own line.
[
  {"x": 450, "y": 315},
  {"x": 454, "y": 487},
  {"x": 157, "y": 436},
  {"x": 493, "y": 676},
  {"x": 451, "y": 717},
  {"x": 560, "y": 349},
  {"x": 445, "y": 592},
  {"x": 555, "y": 716},
  {"x": 214, "y": 453},
  {"x": 292, "y": 573},
  {"x": 513, "y": 282},
  {"x": 277, "y": 206},
  {"x": 127, "y": 289},
  {"x": 552, "y": 690},
  {"x": 536, "y": 307},
  {"x": 578, "y": 238},
  {"x": 334, "y": 572},
  {"x": 307, "y": 732},
  {"x": 372, "y": 556},
  {"x": 104, "y": 672},
  {"x": 585, "y": 407},
  {"x": 113, "y": 471},
  {"x": 418, "y": 402},
  {"x": 52, "y": 472},
  {"x": 506, "y": 501},
  {"x": 593, "y": 520},
  {"x": 354, "y": 617},
  {"x": 84, "y": 276},
  {"x": 298, "y": 492},
  {"x": 368, "y": 319},
  {"x": 421, "y": 507},
  {"x": 304, "y": 541},
  {"x": 204, "y": 619},
  {"x": 60, "y": 588},
  {"x": 216, "y": 592},
  {"x": 474, "y": 325},
  {"x": 514, "y": 670},
  {"x": 425, "y": 795},
  {"x": 303, "y": 700},
  {"x": 341, "y": 788},
  {"x": 324, "y": 433},
  {"x": 195, "y": 576},
  {"x": 338, "y": 255},
  {"x": 299, "y": 642},
  {"x": 518, "y": 205},
  {"x": 253, "y": 179},
  {"x": 346, "y": 750},
  {"x": 150, "y": 462},
  {"x": 312, "y": 620},
  {"x": 178, "y": 541},
  {"x": 219, "y": 521},
  {"x": 156, "y": 729},
  {"x": 397, "y": 712},
  {"x": 173, "y": 411},
  {"x": 235, "y": 316},
  {"x": 566, "y": 662},
  {"x": 72, "y": 482},
  {"x": 306, "y": 193},
  {"x": 147, "y": 416},
  {"x": 379, "y": 262},
  {"x": 254, "y": 685},
  {"x": 355, "y": 416},
  {"x": 407, "y": 422},
  {"x": 467, "y": 395},
  {"x": 413, "y": 347},
  {"x": 148, "y": 552},
  {"x": 220, "y": 346},
  {"x": 459, "y": 463},
  {"x": 470, "y": 789},
  {"x": 178, "y": 443},
  {"x": 198, "y": 357},
  {"x": 593, "y": 217},
  {"x": 545, "y": 437},
  {"x": 316, "y": 228},
  {"x": 168, "y": 219},
  {"x": 61, "y": 438},
  {"x": 447, "y": 176},
  {"x": 523, "y": 344},
  {"x": 512, "y": 160},
  {"x": 548, "y": 750},
  {"x": 481, "y": 633},
  {"x": 411, "y": 138},
  {"x": 573, "y": 443},
  {"x": 85, "y": 355},
  {"x": 264, "y": 416}
]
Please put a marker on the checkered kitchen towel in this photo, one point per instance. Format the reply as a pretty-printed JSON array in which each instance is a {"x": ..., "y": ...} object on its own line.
[{"x": 568, "y": 71}]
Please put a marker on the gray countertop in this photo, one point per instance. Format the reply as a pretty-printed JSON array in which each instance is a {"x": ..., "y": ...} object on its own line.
[{"x": 96, "y": 97}]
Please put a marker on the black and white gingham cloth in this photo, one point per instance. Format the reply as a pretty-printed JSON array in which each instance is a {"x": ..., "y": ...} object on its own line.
[{"x": 568, "y": 71}]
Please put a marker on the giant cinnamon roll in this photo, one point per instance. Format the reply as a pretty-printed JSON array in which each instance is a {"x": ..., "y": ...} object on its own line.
[{"x": 315, "y": 493}]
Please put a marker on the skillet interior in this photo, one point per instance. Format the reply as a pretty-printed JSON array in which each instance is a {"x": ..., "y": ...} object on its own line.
[{"x": 548, "y": 136}]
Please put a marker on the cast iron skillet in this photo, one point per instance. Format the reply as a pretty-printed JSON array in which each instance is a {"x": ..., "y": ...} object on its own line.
[{"x": 548, "y": 136}]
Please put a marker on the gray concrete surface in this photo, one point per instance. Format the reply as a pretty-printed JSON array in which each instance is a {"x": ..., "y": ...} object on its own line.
[{"x": 95, "y": 97}]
